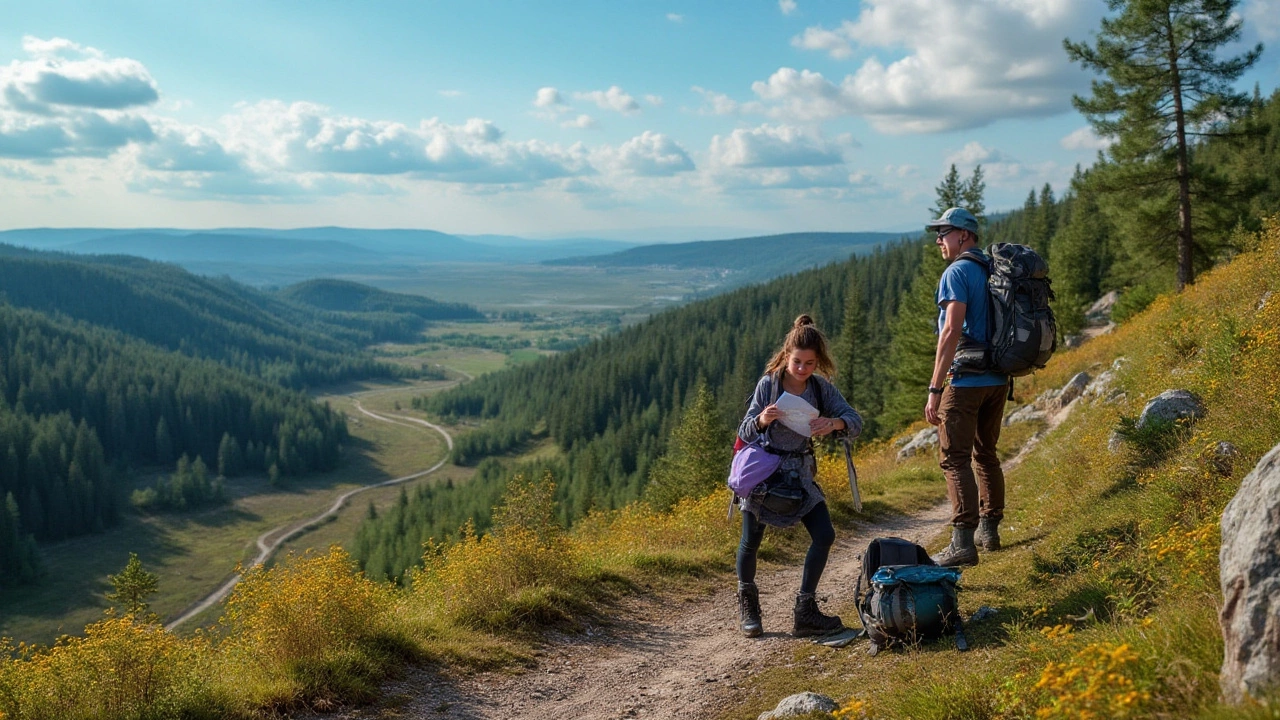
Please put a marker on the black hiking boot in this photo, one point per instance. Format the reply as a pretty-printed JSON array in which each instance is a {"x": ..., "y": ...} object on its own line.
[
  {"x": 961, "y": 551},
  {"x": 810, "y": 621},
  {"x": 988, "y": 535},
  {"x": 749, "y": 610}
]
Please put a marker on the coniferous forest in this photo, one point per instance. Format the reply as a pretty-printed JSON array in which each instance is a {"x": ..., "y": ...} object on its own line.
[{"x": 109, "y": 364}]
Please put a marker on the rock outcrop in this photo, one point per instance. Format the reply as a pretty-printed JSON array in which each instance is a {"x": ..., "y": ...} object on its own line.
[
  {"x": 1170, "y": 406},
  {"x": 923, "y": 441},
  {"x": 801, "y": 704},
  {"x": 1249, "y": 563}
]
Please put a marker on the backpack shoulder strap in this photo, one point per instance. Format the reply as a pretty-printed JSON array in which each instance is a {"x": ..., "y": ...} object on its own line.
[
  {"x": 976, "y": 256},
  {"x": 816, "y": 385}
]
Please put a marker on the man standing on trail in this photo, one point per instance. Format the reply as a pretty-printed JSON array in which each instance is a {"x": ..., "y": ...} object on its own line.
[{"x": 970, "y": 409}]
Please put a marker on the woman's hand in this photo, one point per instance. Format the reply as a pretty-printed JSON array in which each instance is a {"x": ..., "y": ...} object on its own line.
[
  {"x": 767, "y": 416},
  {"x": 825, "y": 426}
]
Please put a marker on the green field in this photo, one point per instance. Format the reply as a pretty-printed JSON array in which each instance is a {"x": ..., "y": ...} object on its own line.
[
  {"x": 192, "y": 553},
  {"x": 550, "y": 289}
]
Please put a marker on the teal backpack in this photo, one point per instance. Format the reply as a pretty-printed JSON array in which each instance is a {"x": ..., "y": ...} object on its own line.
[{"x": 909, "y": 597}]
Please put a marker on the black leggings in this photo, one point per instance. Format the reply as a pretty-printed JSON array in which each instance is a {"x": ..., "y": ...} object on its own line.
[{"x": 821, "y": 533}]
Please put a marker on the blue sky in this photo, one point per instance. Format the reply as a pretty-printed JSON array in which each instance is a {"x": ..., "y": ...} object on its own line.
[{"x": 639, "y": 120}]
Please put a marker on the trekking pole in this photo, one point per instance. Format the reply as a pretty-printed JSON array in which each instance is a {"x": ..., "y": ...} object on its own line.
[{"x": 853, "y": 475}]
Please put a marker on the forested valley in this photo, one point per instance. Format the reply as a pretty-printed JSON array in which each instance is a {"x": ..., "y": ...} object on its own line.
[
  {"x": 113, "y": 364},
  {"x": 609, "y": 407}
]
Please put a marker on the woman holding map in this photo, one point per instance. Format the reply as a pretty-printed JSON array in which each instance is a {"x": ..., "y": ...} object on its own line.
[{"x": 793, "y": 403}]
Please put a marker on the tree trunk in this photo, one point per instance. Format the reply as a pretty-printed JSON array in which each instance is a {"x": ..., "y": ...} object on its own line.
[{"x": 1186, "y": 271}]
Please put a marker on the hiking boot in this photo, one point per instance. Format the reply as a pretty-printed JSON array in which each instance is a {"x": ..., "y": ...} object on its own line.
[
  {"x": 988, "y": 535},
  {"x": 809, "y": 620},
  {"x": 749, "y": 610},
  {"x": 961, "y": 550}
]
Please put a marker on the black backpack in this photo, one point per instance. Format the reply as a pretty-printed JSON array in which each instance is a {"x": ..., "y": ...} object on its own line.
[
  {"x": 909, "y": 597},
  {"x": 1022, "y": 331}
]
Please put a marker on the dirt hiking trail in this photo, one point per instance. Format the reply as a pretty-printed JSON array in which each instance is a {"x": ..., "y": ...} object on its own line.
[{"x": 658, "y": 657}]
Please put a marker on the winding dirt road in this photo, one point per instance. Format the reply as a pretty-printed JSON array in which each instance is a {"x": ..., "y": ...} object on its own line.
[{"x": 271, "y": 540}]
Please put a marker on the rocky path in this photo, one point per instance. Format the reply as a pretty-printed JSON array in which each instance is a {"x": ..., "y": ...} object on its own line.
[{"x": 660, "y": 658}]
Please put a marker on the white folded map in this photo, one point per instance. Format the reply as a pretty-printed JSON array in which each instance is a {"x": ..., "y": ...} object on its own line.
[{"x": 796, "y": 413}]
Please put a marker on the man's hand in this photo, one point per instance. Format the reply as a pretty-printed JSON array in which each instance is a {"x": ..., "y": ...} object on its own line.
[{"x": 931, "y": 409}]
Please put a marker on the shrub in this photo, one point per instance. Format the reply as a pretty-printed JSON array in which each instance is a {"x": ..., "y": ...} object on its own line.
[
  {"x": 312, "y": 629},
  {"x": 489, "y": 581},
  {"x": 121, "y": 668}
]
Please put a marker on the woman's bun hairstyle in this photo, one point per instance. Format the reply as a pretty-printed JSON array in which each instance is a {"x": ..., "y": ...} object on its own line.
[{"x": 804, "y": 335}]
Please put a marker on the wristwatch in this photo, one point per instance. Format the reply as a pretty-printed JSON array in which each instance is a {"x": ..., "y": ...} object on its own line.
[{"x": 935, "y": 390}]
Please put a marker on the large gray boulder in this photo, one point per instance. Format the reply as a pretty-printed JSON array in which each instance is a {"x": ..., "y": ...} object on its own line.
[
  {"x": 1073, "y": 389},
  {"x": 1249, "y": 568},
  {"x": 800, "y": 704},
  {"x": 923, "y": 441},
  {"x": 1101, "y": 386},
  {"x": 1099, "y": 313},
  {"x": 1171, "y": 405}
]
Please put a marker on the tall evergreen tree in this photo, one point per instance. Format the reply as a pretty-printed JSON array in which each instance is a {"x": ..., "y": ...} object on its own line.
[
  {"x": 132, "y": 587},
  {"x": 853, "y": 357},
  {"x": 1164, "y": 87},
  {"x": 972, "y": 197},
  {"x": 697, "y": 457}
]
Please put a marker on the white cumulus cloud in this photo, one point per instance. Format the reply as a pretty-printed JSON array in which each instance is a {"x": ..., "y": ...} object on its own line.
[
  {"x": 547, "y": 98},
  {"x": 615, "y": 98},
  {"x": 649, "y": 154},
  {"x": 774, "y": 147},
  {"x": 1084, "y": 139},
  {"x": 952, "y": 64},
  {"x": 61, "y": 76},
  {"x": 582, "y": 122},
  {"x": 675, "y": 17},
  {"x": 787, "y": 6},
  {"x": 832, "y": 42}
]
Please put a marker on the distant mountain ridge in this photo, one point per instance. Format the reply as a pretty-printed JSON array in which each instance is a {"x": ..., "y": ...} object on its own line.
[
  {"x": 749, "y": 255},
  {"x": 304, "y": 245}
]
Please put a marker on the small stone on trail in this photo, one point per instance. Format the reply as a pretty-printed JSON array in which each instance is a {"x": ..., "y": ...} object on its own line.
[
  {"x": 983, "y": 613},
  {"x": 800, "y": 704}
]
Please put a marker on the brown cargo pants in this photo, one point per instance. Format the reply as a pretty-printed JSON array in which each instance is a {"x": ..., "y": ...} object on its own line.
[{"x": 967, "y": 435}]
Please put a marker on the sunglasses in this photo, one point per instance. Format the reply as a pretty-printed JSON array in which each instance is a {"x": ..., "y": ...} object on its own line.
[{"x": 943, "y": 232}]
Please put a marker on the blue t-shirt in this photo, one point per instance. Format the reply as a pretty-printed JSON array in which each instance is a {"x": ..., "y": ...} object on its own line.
[{"x": 966, "y": 281}]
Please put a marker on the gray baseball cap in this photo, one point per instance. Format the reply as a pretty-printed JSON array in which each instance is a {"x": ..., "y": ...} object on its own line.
[{"x": 956, "y": 217}]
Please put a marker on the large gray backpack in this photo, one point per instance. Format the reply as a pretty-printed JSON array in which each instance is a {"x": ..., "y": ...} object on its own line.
[
  {"x": 909, "y": 597},
  {"x": 1023, "y": 333}
]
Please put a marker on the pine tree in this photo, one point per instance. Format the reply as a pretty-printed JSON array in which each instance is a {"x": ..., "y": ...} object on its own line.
[
  {"x": 697, "y": 457},
  {"x": 853, "y": 358},
  {"x": 950, "y": 193},
  {"x": 1163, "y": 88},
  {"x": 972, "y": 197},
  {"x": 132, "y": 587}
]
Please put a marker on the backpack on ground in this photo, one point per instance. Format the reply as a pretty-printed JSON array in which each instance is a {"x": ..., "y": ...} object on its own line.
[
  {"x": 1022, "y": 331},
  {"x": 909, "y": 597}
]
